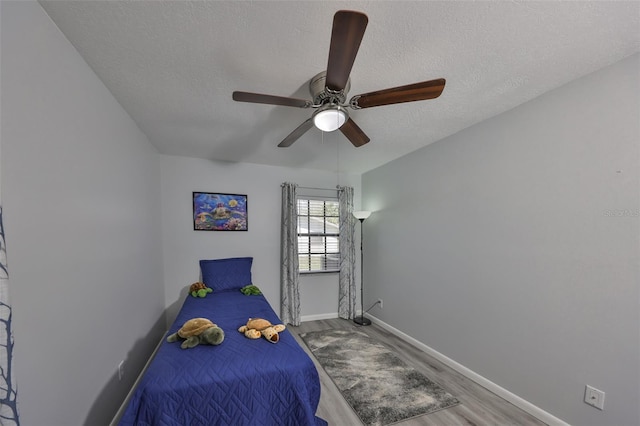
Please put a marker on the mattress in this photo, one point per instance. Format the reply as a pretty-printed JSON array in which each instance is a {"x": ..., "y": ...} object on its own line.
[{"x": 239, "y": 382}]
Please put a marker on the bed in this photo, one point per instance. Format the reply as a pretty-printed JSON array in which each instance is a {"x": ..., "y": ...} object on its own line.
[{"x": 239, "y": 382}]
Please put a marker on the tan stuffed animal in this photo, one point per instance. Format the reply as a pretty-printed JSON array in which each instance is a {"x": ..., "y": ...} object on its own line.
[
  {"x": 196, "y": 331},
  {"x": 257, "y": 327}
]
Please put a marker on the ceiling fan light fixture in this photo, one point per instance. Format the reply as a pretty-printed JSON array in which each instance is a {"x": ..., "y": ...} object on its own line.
[{"x": 330, "y": 118}]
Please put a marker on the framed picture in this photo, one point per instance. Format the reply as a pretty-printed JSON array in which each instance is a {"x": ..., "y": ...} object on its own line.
[{"x": 214, "y": 211}]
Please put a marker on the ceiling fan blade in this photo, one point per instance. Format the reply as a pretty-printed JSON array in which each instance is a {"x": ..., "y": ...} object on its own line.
[
  {"x": 412, "y": 92},
  {"x": 354, "y": 133},
  {"x": 346, "y": 35},
  {"x": 299, "y": 131},
  {"x": 258, "y": 98}
]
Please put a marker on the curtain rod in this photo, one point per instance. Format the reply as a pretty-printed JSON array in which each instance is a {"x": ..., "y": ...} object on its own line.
[
  {"x": 320, "y": 189},
  {"x": 338, "y": 188}
]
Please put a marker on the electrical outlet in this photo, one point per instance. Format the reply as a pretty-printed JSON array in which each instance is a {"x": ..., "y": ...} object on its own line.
[
  {"x": 380, "y": 302},
  {"x": 594, "y": 397},
  {"x": 121, "y": 370}
]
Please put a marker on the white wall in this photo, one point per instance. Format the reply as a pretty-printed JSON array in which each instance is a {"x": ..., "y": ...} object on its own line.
[
  {"x": 183, "y": 247},
  {"x": 80, "y": 195},
  {"x": 513, "y": 247}
]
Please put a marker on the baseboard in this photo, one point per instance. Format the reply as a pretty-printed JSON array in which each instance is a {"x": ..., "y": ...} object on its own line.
[
  {"x": 120, "y": 412},
  {"x": 330, "y": 315},
  {"x": 523, "y": 404}
]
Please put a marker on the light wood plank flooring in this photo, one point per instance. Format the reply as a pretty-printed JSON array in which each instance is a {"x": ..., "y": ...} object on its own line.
[{"x": 478, "y": 406}]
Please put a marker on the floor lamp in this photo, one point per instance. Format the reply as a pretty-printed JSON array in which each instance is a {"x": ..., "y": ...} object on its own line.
[{"x": 361, "y": 216}]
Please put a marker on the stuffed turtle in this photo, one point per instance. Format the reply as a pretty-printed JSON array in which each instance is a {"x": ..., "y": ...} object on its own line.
[
  {"x": 250, "y": 290},
  {"x": 257, "y": 327},
  {"x": 196, "y": 331},
  {"x": 199, "y": 289}
]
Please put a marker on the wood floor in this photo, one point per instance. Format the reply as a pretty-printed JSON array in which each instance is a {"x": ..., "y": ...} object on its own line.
[{"x": 477, "y": 406}]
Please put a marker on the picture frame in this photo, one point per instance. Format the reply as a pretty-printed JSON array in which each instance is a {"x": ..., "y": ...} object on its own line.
[{"x": 218, "y": 211}]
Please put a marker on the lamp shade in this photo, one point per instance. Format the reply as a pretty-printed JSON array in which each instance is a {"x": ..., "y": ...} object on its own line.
[
  {"x": 330, "y": 118},
  {"x": 361, "y": 214}
]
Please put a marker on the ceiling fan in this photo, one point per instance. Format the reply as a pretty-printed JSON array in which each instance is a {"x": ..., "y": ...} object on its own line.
[{"x": 328, "y": 89}]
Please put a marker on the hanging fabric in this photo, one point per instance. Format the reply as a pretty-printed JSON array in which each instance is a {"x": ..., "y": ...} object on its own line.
[
  {"x": 8, "y": 388},
  {"x": 289, "y": 268},
  {"x": 347, "y": 278}
]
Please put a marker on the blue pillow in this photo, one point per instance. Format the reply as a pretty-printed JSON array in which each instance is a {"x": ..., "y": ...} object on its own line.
[{"x": 226, "y": 274}]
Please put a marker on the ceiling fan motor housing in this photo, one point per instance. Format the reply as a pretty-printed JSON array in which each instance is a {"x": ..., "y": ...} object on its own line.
[{"x": 322, "y": 95}]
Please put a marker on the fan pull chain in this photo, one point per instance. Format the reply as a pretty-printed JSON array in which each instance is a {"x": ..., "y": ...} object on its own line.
[{"x": 338, "y": 162}]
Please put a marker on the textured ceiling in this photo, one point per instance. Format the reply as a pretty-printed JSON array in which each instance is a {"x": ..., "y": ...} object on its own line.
[{"x": 173, "y": 65}]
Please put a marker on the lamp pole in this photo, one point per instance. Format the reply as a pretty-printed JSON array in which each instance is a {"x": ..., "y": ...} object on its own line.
[{"x": 361, "y": 216}]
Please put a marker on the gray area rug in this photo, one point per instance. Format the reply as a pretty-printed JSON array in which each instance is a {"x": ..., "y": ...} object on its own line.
[{"x": 379, "y": 386}]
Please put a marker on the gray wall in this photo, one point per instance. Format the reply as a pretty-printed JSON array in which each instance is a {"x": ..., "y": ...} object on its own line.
[
  {"x": 512, "y": 247},
  {"x": 81, "y": 204},
  {"x": 183, "y": 247}
]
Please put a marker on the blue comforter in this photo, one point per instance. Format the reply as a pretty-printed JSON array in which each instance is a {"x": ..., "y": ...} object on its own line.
[{"x": 239, "y": 382}]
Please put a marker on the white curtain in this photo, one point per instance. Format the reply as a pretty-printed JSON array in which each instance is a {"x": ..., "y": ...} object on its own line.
[
  {"x": 8, "y": 388},
  {"x": 289, "y": 268},
  {"x": 347, "y": 279}
]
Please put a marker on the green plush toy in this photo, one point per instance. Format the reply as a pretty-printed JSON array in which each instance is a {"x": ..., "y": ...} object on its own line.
[
  {"x": 196, "y": 331},
  {"x": 250, "y": 290},
  {"x": 199, "y": 290}
]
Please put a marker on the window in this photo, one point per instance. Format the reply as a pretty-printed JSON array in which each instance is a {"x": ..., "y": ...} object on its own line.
[{"x": 318, "y": 232}]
